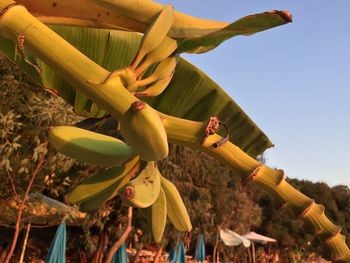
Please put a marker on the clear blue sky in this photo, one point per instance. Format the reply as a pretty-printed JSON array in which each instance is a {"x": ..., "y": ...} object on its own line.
[{"x": 293, "y": 81}]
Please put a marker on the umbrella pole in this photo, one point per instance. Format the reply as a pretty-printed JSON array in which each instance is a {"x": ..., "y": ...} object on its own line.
[
  {"x": 249, "y": 255},
  {"x": 158, "y": 254},
  {"x": 216, "y": 246},
  {"x": 253, "y": 248},
  {"x": 25, "y": 243}
]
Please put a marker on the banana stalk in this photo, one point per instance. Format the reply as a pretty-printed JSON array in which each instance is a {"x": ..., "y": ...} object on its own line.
[
  {"x": 116, "y": 15},
  {"x": 89, "y": 78}
]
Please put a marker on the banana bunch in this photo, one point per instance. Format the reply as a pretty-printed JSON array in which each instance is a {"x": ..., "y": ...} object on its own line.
[
  {"x": 153, "y": 66},
  {"x": 138, "y": 181},
  {"x": 148, "y": 75},
  {"x": 138, "y": 185},
  {"x": 150, "y": 190},
  {"x": 168, "y": 204},
  {"x": 90, "y": 147}
]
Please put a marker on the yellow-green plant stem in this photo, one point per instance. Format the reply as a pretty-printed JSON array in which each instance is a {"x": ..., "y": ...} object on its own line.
[
  {"x": 117, "y": 15},
  {"x": 80, "y": 13},
  {"x": 190, "y": 133},
  {"x": 183, "y": 26},
  {"x": 89, "y": 78}
]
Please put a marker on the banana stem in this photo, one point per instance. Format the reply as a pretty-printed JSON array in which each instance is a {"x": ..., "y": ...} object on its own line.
[
  {"x": 189, "y": 133},
  {"x": 183, "y": 24},
  {"x": 123, "y": 15},
  {"x": 90, "y": 78}
]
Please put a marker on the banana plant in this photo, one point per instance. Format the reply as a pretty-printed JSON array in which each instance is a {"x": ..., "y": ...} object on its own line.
[{"x": 132, "y": 78}]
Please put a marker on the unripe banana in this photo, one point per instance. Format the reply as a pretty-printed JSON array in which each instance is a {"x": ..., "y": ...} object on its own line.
[
  {"x": 90, "y": 147},
  {"x": 97, "y": 200},
  {"x": 163, "y": 70},
  {"x": 143, "y": 129},
  {"x": 176, "y": 210},
  {"x": 159, "y": 213},
  {"x": 93, "y": 186},
  {"x": 144, "y": 190},
  {"x": 164, "y": 50},
  {"x": 155, "y": 34},
  {"x": 155, "y": 89}
]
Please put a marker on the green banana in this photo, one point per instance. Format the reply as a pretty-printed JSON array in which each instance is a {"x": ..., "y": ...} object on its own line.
[
  {"x": 155, "y": 89},
  {"x": 158, "y": 47},
  {"x": 176, "y": 210},
  {"x": 143, "y": 129},
  {"x": 95, "y": 185},
  {"x": 155, "y": 34},
  {"x": 161, "y": 52},
  {"x": 163, "y": 70},
  {"x": 159, "y": 214},
  {"x": 88, "y": 146},
  {"x": 144, "y": 190},
  {"x": 100, "y": 198}
]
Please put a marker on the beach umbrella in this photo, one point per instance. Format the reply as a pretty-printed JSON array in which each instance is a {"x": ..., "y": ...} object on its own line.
[
  {"x": 231, "y": 238},
  {"x": 177, "y": 255},
  {"x": 57, "y": 251},
  {"x": 120, "y": 256},
  {"x": 200, "y": 250},
  {"x": 255, "y": 237}
]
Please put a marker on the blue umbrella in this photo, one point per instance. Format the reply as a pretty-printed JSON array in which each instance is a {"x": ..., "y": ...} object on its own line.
[
  {"x": 200, "y": 256},
  {"x": 172, "y": 254},
  {"x": 57, "y": 251},
  {"x": 177, "y": 255},
  {"x": 120, "y": 256}
]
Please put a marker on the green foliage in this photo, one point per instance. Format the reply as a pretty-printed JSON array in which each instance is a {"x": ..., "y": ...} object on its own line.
[{"x": 25, "y": 114}]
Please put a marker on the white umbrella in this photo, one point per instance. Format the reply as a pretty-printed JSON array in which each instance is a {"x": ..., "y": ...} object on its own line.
[
  {"x": 231, "y": 238},
  {"x": 255, "y": 237}
]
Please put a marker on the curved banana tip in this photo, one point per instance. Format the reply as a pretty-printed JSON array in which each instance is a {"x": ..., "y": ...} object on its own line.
[{"x": 284, "y": 14}]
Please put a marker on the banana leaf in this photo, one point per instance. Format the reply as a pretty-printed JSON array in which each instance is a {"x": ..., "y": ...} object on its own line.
[
  {"x": 195, "y": 35},
  {"x": 245, "y": 26},
  {"x": 191, "y": 94}
]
